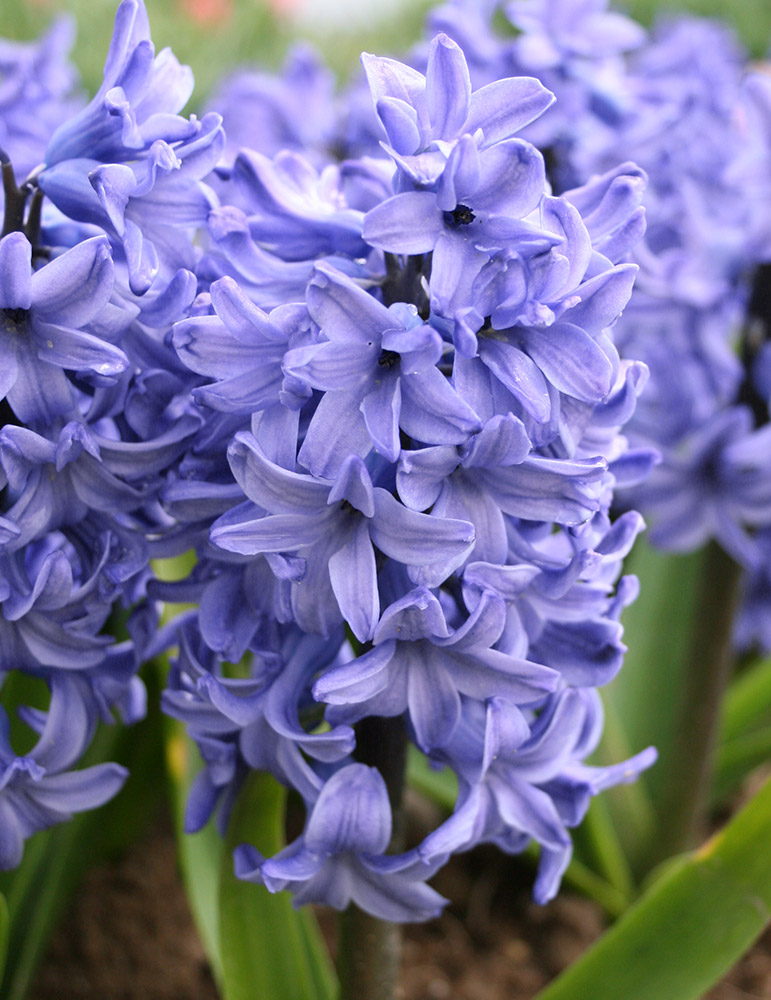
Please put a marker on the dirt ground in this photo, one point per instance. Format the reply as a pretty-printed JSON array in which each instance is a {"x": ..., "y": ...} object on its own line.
[{"x": 128, "y": 936}]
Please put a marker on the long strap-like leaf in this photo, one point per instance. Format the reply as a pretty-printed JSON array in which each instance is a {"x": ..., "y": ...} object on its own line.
[{"x": 690, "y": 927}]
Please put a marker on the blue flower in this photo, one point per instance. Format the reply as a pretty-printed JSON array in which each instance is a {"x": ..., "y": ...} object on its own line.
[
  {"x": 38, "y": 93},
  {"x": 523, "y": 780},
  {"x": 333, "y": 525},
  {"x": 39, "y": 790},
  {"x": 419, "y": 113},
  {"x": 716, "y": 485},
  {"x": 137, "y": 101},
  {"x": 45, "y": 318},
  {"x": 294, "y": 211},
  {"x": 479, "y": 199},
  {"x": 378, "y": 367},
  {"x": 150, "y": 206},
  {"x": 419, "y": 666},
  {"x": 339, "y": 858}
]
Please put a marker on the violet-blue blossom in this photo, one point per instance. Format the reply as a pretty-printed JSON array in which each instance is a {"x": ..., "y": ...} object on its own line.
[
  {"x": 379, "y": 399},
  {"x": 339, "y": 858}
]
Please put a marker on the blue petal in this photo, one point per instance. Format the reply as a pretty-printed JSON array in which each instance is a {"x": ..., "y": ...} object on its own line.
[
  {"x": 356, "y": 681},
  {"x": 406, "y": 223},
  {"x": 78, "y": 790},
  {"x": 79, "y": 351},
  {"x": 482, "y": 673},
  {"x": 571, "y": 360},
  {"x": 504, "y": 107},
  {"x": 394, "y": 897},
  {"x": 352, "y": 813},
  {"x": 400, "y": 121},
  {"x": 354, "y": 581},
  {"x": 381, "y": 410},
  {"x": 277, "y": 490},
  {"x": 69, "y": 724},
  {"x": 437, "y": 546},
  {"x": 389, "y": 78},
  {"x": 15, "y": 272},
  {"x": 448, "y": 88},
  {"x": 513, "y": 179},
  {"x": 417, "y": 615},
  {"x": 336, "y": 431},
  {"x": 344, "y": 311},
  {"x": 274, "y": 533},
  {"x": 519, "y": 374},
  {"x": 353, "y": 484},
  {"x": 531, "y": 810},
  {"x": 433, "y": 700},
  {"x": 334, "y": 366},
  {"x": 432, "y": 411}
]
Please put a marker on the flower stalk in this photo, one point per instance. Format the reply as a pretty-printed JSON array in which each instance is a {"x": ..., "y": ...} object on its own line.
[
  {"x": 707, "y": 673},
  {"x": 369, "y": 949}
]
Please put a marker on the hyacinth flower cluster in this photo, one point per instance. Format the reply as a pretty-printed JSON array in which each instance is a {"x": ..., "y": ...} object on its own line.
[
  {"x": 704, "y": 251},
  {"x": 379, "y": 399},
  {"x": 85, "y": 440},
  {"x": 683, "y": 105}
]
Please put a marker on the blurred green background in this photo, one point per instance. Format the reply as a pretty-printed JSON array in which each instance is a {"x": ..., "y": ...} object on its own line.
[{"x": 217, "y": 35}]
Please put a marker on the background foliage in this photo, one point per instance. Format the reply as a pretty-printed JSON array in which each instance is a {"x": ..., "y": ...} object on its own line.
[{"x": 216, "y": 35}]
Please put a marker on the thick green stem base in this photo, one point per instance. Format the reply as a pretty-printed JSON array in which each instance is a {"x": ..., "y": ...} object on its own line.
[
  {"x": 369, "y": 949},
  {"x": 709, "y": 668},
  {"x": 370, "y": 956}
]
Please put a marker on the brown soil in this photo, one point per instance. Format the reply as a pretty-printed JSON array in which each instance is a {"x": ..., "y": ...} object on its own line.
[{"x": 128, "y": 936}]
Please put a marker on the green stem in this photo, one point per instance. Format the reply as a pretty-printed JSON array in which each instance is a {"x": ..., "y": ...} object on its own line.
[
  {"x": 707, "y": 672},
  {"x": 369, "y": 951},
  {"x": 34, "y": 219},
  {"x": 15, "y": 198},
  {"x": 369, "y": 956}
]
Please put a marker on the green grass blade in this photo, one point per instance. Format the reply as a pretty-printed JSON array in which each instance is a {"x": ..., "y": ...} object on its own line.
[
  {"x": 593, "y": 886},
  {"x": 269, "y": 950},
  {"x": 691, "y": 926},
  {"x": 745, "y": 731},
  {"x": 630, "y": 807}
]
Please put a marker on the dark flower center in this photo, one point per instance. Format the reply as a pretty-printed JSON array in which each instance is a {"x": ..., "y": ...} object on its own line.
[
  {"x": 16, "y": 316},
  {"x": 388, "y": 359},
  {"x": 461, "y": 215}
]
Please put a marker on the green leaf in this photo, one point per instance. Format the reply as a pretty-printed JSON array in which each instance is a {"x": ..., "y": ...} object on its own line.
[
  {"x": 269, "y": 950},
  {"x": 55, "y": 861},
  {"x": 644, "y": 703},
  {"x": 4, "y": 931},
  {"x": 598, "y": 841},
  {"x": 737, "y": 758},
  {"x": 657, "y": 632},
  {"x": 199, "y": 854},
  {"x": 439, "y": 785},
  {"x": 745, "y": 731},
  {"x": 690, "y": 927},
  {"x": 747, "y": 703}
]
